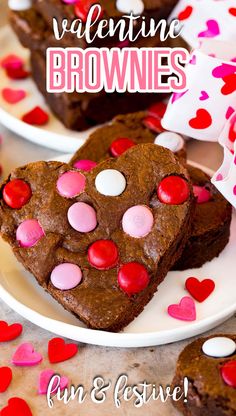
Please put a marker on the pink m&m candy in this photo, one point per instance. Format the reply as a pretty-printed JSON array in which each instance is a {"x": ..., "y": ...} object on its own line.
[
  {"x": 71, "y": 184},
  {"x": 82, "y": 217},
  {"x": 138, "y": 221},
  {"x": 202, "y": 194},
  {"x": 66, "y": 276},
  {"x": 29, "y": 233},
  {"x": 85, "y": 164}
]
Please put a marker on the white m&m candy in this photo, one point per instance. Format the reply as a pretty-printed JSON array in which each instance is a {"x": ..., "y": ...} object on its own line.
[
  {"x": 110, "y": 182},
  {"x": 219, "y": 347},
  {"x": 170, "y": 140},
  {"x": 19, "y": 5},
  {"x": 130, "y": 6}
]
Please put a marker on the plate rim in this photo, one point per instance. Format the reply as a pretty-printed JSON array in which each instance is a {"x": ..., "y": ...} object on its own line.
[{"x": 113, "y": 339}]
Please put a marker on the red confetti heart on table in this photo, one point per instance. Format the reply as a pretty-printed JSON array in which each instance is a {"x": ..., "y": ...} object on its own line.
[
  {"x": 185, "y": 311},
  {"x": 12, "y": 61},
  {"x": 202, "y": 120},
  {"x": 186, "y": 13},
  {"x": 36, "y": 117},
  {"x": 17, "y": 73},
  {"x": 5, "y": 378},
  {"x": 232, "y": 11},
  {"x": 16, "y": 407},
  {"x": 9, "y": 332},
  {"x": 200, "y": 290},
  {"x": 13, "y": 96},
  {"x": 230, "y": 84},
  {"x": 59, "y": 351},
  {"x": 228, "y": 373}
]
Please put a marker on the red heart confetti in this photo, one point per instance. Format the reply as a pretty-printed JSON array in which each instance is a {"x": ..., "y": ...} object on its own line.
[
  {"x": 228, "y": 373},
  {"x": 5, "y": 378},
  {"x": 200, "y": 290},
  {"x": 59, "y": 351},
  {"x": 9, "y": 332},
  {"x": 16, "y": 407},
  {"x": 202, "y": 120},
  {"x": 13, "y": 96},
  {"x": 17, "y": 73},
  {"x": 186, "y": 13},
  {"x": 230, "y": 84},
  {"x": 184, "y": 311},
  {"x": 232, "y": 11},
  {"x": 36, "y": 117},
  {"x": 12, "y": 61}
]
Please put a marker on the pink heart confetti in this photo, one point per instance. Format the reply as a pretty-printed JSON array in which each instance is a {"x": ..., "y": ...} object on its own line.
[
  {"x": 26, "y": 356},
  {"x": 44, "y": 379},
  {"x": 212, "y": 30},
  {"x": 204, "y": 96},
  {"x": 185, "y": 311},
  {"x": 12, "y": 96}
]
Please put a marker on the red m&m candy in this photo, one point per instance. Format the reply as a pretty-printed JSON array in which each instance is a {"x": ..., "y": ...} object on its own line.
[
  {"x": 133, "y": 278},
  {"x": 153, "y": 123},
  {"x": 228, "y": 372},
  {"x": 119, "y": 146},
  {"x": 82, "y": 8},
  {"x": 103, "y": 254},
  {"x": 173, "y": 190},
  {"x": 16, "y": 193},
  {"x": 157, "y": 110}
]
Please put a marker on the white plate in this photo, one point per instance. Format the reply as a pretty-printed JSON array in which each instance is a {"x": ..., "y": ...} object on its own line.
[
  {"x": 153, "y": 326},
  {"x": 54, "y": 135}
]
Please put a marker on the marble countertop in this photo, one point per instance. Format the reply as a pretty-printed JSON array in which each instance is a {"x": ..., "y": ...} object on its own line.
[{"x": 155, "y": 365}]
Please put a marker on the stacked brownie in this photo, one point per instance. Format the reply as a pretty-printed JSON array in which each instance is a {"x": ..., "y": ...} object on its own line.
[{"x": 79, "y": 111}]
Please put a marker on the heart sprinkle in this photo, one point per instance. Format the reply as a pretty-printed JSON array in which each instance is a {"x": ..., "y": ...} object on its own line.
[
  {"x": 200, "y": 290},
  {"x": 44, "y": 380},
  {"x": 12, "y": 96},
  {"x": 16, "y": 407},
  {"x": 185, "y": 311},
  {"x": 36, "y": 117},
  {"x": 25, "y": 356},
  {"x": 5, "y": 378},
  {"x": 59, "y": 351},
  {"x": 9, "y": 332}
]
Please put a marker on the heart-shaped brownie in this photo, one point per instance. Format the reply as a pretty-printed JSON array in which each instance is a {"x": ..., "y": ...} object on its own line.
[{"x": 100, "y": 242}]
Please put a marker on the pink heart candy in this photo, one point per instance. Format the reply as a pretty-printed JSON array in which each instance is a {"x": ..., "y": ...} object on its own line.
[
  {"x": 212, "y": 30},
  {"x": 44, "y": 379},
  {"x": 26, "y": 356},
  {"x": 204, "y": 96},
  {"x": 185, "y": 311},
  {"x": 202, "y": 194},
  {"x": 13, "y": 96}
]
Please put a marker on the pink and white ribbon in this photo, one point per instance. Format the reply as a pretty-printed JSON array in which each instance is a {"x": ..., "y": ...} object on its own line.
[{"x": 206, "y": 19}]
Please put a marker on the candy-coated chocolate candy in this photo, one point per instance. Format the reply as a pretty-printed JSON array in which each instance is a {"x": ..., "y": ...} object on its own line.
[
  {"x": 132, "y": 6},
  {"x": 71, "y": 184},
  {"x": 157, "y": 110},
  {"x": 173, "y": 190},
  {"x": 29, "y": 233},
  {"x": 82, "y": 217},
  {"x": 153, "y": 123},
  {"x": 120, "y": 145},
  {"x": 219, "y": 347},
  {"x": 110, "y": 182},
  {"x": 170, "y": 140},
  {"x": 85, "y": 164},
  {"x": 202, "y": 194},
  {"x": 228, "y": 372},
  {"x": 133, "y": 278},
  {"x": 16, "y": 193},
  {"x": 82, "y": 9},
  {"x": 138, "y": 221},
  {"x": 103, "y": 254},
  {"x": 19, "y": 5},
  {"x": 66, "y": 276}
]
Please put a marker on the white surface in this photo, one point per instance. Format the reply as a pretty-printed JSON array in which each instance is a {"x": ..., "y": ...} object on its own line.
[
  {"x": 152, "y": 327},
  {"x": 54, "y": 135}
]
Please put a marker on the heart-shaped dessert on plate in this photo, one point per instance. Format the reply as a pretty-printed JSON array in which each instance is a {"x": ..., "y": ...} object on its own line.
[{"x": 100, "y": 242}]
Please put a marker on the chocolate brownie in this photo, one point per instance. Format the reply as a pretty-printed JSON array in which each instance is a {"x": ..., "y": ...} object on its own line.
[
  {"x": 100, "y": 242},
  {"x": 210, "y": 366},
  {"x": 84, "y": 110},
  {"x": 211, "y": 223},
  {"x": 128, "y": 130}
]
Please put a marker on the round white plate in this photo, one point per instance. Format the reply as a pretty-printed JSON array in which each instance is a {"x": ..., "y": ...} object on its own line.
[
  {"x": 153, "y": 326},
  {"x": 54, "y": 135}
]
